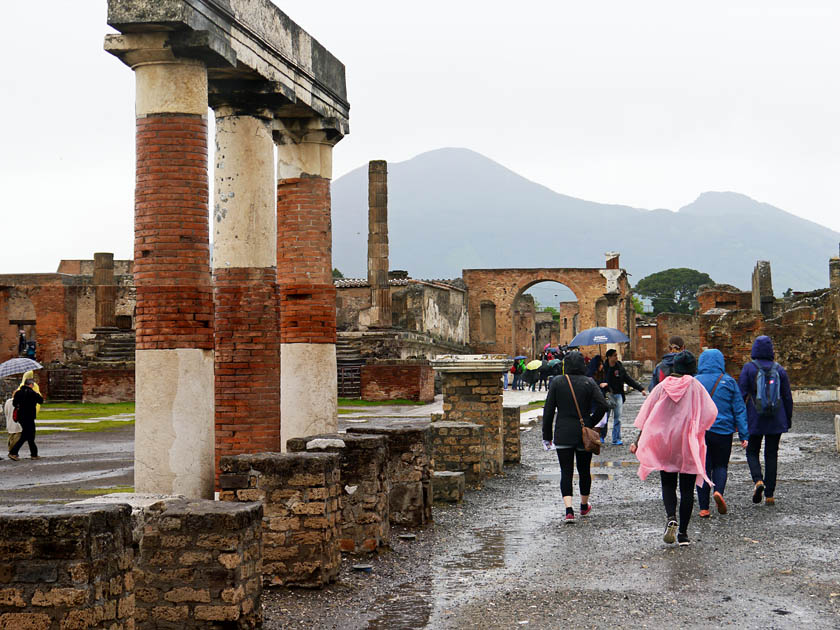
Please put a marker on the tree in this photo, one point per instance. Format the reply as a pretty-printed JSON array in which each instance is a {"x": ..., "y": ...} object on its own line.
[
  {"x": 672, "y": 290},
  {"x": 337, "y": 274},
  {"x": 638, "y": 306}
]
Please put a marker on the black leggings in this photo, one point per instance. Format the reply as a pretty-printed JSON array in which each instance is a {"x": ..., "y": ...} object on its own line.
[
  {"x": 669, "y": 495},
  {"x": 566, "y": 456}
]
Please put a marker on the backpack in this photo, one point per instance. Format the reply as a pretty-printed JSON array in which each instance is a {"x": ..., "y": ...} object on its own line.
[
  {"x": 663, "y": 371},
  {"x": 767, "y": 390}
]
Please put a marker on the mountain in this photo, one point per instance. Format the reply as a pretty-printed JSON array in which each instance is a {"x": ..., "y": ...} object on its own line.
[{"x": 454, "y": 209}]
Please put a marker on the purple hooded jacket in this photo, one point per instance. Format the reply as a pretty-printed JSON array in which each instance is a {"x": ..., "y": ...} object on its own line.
[{"x": 763, "y": 353}]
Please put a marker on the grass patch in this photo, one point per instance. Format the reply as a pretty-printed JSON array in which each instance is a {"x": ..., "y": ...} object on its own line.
[
  {"x": 87, "y": 427},
  {"x": 537, "y": 404},
  {"x": 83, "y": 411},
  {"x": 355, "y": 402},
  {"x": 98, "y": 491}
]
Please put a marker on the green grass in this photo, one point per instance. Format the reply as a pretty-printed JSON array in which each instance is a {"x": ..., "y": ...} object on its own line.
[
  {"x": 83, "y": 411},
  {"x": 98, "y": 491},
  {"x": 355, "y": 402},
  {"x": 537, "y": 404}
]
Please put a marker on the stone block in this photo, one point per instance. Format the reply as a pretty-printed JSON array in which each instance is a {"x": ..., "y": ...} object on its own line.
[
  {"x": 448, "y": 486},
  {"x": 459, "y": 447},
  {"x": 512, "y": 442}
]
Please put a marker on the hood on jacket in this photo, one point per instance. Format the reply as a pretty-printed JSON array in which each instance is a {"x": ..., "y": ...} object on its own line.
[
  {"x": 763, "y": 348},
  {"x": 668, "y": 358},
  {"x": 676, "y": 387},
  {"x": 574, "y": 363},
  {"x": 711, "y": 362}
]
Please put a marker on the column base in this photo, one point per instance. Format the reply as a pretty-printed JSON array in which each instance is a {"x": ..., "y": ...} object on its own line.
[{"x": 309, "y": 386}]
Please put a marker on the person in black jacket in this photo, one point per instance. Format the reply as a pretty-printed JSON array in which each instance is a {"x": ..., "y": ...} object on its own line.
[
  {"x": 615, "y": 376},
  {"x": 26, "y": 401},
  {"x": 561, "y": 428}
]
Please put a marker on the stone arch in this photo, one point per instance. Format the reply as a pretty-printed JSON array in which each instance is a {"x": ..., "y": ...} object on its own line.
[{"x": 504, "y": 286}]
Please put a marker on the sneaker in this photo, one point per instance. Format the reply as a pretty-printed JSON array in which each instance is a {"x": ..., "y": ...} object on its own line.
[
  {"x": 14, "y": 458},
  {"x": 759, "y": 490},
  {"x": 570, "y": 519},
  {"x": 586, "y": 510},
  {"x": 705, "y": 513},
  {"x": 670, "y": 532},
  {"x": 35, "y": 457},
  {"x": 683, "y": 540},
  {"x": 618, "y": 443},
  {"x": 769, "y": 500},
  {"x": 721, "y": 504},
  {"x": 602, "y": 440}
]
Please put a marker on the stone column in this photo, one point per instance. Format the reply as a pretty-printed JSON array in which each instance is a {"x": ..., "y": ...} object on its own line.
[
  {"x": 472, "y": 392},
  {"x": 174, "y": 361},
  {"x": 380, "y": 292},
  {"x": 834, "y": 273},
  {"x": 762, "y": 289},
  {"x": 308, "y": 371},
  {"x": 106, "y": 291},
  {"x": 247, "y": 355}
]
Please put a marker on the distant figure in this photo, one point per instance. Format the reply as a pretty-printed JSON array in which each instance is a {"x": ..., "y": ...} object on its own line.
[
  {"x": 26, "y": 400},
  {"x": 672, "y": 427},
  {"x": 663, "y": 368},
  {"x": 615, "y": 376},
  {"x": 766, "y": 390},
  {"x": 731, "y": 414},
  {"x": 30, "y": 349},
  {"x": 22, "y": 343}
]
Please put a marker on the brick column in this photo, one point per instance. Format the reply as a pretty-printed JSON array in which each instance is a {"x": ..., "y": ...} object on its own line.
[
  {"x": 106, "y": 291},
  {"x": 308, "y": 372},
  {"x": 174, "y": 361},
  {"x": 380, "y": 291},
  {"x": 244, "y": 287}
]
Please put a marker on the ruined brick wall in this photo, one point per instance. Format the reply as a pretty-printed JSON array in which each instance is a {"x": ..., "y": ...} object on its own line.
[
  {"x": 723, "y": 296},
  {"x": 66, "y": 567},
  {"x": 392, "y": 379},
  {"x": 503, "y": 287},
  {"x": 459, "y": 447},
  {"x": 85, "y": 310},
  {"x": 647, "y": 348},
  {"x": 512, "y": 442},
  {"x": 299, "y": 492},
  {"x": 349, "y": 302},
  {"x": 432, "y": 309},
  {"x": 569, "y": 320},
  {"x": 107, "y": 385},
  {"x": 682, "y": 324}
]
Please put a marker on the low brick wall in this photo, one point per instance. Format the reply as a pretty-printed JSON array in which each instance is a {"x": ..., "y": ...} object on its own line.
[
  {"x": 108, "y": 386},
  {"x": 66, "y": 567},
  {"x": 477, "y": 397},
  {"x": 459, "y": 447},
  {"x": 448, "y": 486},
  {"x": 409, "y": 469},
  {"x": 512, "y": 442},
  {"x": 391, "y": 379},
  {"x": 300, "y": 502},
  {"x": 363, "y": 499},
  {"x": 199, "y": 566}
]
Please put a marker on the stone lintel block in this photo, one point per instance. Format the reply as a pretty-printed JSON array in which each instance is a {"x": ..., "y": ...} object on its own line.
[
  {"x": 281, "y": 465},
  {"x": 465, "y": 365}
]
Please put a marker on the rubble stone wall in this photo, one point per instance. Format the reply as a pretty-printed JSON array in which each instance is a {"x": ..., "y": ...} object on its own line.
[
  {"x": 108, "y": 385},
  {"x": 512, "y": 442},
  {"x": 299, "y": 492},
  {"x": 66, "y": 567},
  {"x": 459, "y": 447},
  {"x": 393, "y": 379},
  {"x": 684, "y": 325}
]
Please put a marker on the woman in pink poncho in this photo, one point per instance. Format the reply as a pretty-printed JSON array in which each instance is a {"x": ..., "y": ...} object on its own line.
[{"x": 672, "y": 427}]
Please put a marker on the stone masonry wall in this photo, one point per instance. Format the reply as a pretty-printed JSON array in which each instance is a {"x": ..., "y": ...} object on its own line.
[
  {"x": 409, "y": 469},
  {"x": 199, "y": 566},
  {"x": 108, "y": 385},
  {"x": 364, "y": 498},
  {"x": 477, "y": 397},
  {"x": 512, "y": 442},
  {"x": 66, "y": 568},
  {"x": 392, "y": 379},
  {"x": 459, "y": 447},
  {"x": 300, "y": 502},
  {"x": 684, "y": 325}
]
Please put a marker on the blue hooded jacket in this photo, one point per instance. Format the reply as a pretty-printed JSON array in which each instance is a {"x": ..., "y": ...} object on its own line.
[
  {"x": 667, "y": 361},
  {"x": 763, "y": 352},
  {"x": 732, "y": 413}
]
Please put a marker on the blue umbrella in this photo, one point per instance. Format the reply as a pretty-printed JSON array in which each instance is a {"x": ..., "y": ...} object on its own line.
[
  {"x": 18, "y": 366},
  {"x": 598, "y": 335},
  {"x": 521, "y": 356}
]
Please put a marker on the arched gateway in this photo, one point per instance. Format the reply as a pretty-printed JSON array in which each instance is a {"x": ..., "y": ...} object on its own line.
[{"x": 603, "y": 296}]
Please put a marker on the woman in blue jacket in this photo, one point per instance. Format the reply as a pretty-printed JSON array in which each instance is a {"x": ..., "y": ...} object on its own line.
[
  {"x": 768, "y": 427},
  {"x": 732, "y": 415}
]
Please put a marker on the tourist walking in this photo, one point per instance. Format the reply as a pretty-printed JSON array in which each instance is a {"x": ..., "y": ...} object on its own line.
[
  {"x": 561, "y": 428},
  {"x": 27, "y": 401},
  {"x": 615, "y": 376},
  {"x": 731, "y": 415},
  {"x": 765, "y": 387},
  {"x": 676, "y": 345},
  {"x": 672, "y": 427}
]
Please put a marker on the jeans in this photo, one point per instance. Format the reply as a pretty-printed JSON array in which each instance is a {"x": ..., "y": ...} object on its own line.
[
  {"x": 771, "y": 460},
  {"x": 506, "y": 379},
  {"x": 718, "y": 450},
  {"x": 669, "y": 496},
  {"x": 616, "y": 432},
  {"x": 567, "y": 457}
]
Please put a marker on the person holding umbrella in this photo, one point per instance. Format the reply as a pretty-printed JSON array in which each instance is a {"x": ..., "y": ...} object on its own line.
[
  {"x": 615, "y": 376},
  {"x": 27, "y": 401}
]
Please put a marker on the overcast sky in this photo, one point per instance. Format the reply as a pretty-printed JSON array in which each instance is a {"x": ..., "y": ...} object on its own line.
[{"x": 645, "y": 103}]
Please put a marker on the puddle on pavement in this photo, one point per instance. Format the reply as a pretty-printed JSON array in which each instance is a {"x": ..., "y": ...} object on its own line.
[
  {"x": 408, "y": 609},
  {"x": 555, "y": 476}
]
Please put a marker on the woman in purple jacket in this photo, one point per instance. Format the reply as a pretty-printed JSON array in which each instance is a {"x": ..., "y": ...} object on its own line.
[{"x": 765, "y": 426}]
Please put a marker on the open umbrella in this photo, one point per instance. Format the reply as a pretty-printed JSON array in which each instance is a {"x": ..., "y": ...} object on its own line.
[
  {"x": 521, "y": 356},
  {"x": 536, "y": 364},
  {"x": 18, "y": 365},
  {"x": 598, "y": 335},
  {"x": 553, "y": 362}
]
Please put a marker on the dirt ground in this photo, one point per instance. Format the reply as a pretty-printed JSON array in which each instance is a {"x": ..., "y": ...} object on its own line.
[{"x": 504, "y": 559}]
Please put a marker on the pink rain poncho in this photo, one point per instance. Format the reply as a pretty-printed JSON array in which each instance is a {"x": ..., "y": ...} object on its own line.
[{"x": 673, "y": 421}]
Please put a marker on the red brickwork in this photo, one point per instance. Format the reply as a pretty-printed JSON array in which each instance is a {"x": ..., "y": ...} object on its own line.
[
  {"x": 389, "y": 381},
  {"x": 307, "y": 313},
  {"x": 304, "y": 231},
  {"x": 108, "y": 386},
  {"x": 731, "y": 300},
  {"x": 247, "y": 362},
  {"x": 55, "y": 320},
  {"x": 171, "y": 234},
  {"x": 680, "y": 324}
]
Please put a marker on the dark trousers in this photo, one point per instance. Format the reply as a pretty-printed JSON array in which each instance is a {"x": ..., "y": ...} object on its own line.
[
  {"x": 669, "y": 495},
  {"x": 771, "y": 460},
  {"x": 567, "y": 457},
  {"x": 27, "y": 435},
  {"x": 718, "y": 450}
]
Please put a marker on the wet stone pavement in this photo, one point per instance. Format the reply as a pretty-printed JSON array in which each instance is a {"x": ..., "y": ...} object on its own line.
[{"x": 504, "y": 559}]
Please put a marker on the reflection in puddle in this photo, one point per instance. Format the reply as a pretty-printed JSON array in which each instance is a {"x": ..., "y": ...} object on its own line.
[{"x": 408, "y": 609}]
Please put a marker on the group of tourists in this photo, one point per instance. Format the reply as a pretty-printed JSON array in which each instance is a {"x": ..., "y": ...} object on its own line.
[
  {"x": 686, "y": 426},
  {"x": 20, "y": 411}
]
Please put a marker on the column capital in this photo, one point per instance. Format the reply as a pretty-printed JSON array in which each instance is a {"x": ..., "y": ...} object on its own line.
[{"x": 304, "y": 146}]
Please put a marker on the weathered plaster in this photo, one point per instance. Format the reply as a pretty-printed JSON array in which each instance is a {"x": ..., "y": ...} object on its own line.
[{"x": 308, "y": 380}]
